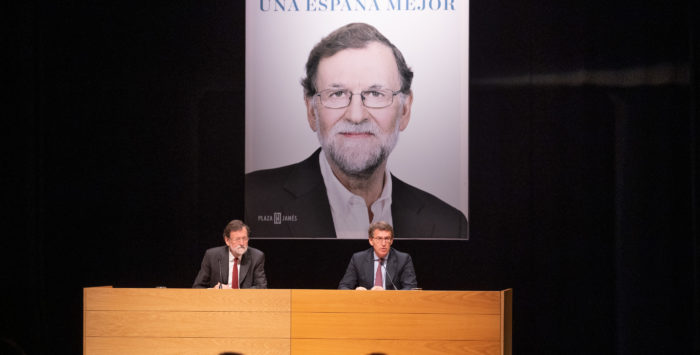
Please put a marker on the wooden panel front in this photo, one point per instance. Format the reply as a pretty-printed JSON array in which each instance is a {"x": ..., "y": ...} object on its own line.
[
  {"x": 151, "y": 299},
  {"x": 193, "y": 346},
  {"x": 186, "y": 321},
  {"x": 451, "y": 302},
  {"x": 390, "y": 347},
  {"x": 187, "y": 324},
  {"x": 395, "y": 326}
]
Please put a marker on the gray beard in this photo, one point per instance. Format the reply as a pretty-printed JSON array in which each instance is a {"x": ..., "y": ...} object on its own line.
[
  {"x": 356, "y": 160},
  {"x": 354, "y": 164},
  {"x": 246, "y": 249}
]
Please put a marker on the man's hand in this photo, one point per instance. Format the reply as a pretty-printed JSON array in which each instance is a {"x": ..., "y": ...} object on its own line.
[
  {"x": 361, "y": 288},
  {"x": 218, "y": 284},
  {"x": 377, "y": 288}
]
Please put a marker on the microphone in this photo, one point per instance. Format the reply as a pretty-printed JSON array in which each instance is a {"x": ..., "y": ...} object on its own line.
[
  {"x": 387, "y": 274},
  {"x": 221, "y": 276}
]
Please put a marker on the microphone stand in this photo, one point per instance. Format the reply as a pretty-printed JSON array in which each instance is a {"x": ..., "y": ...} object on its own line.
[{"x": 387, "y": 274}]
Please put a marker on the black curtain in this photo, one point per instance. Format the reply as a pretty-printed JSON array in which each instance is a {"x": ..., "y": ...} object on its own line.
[{"x": 124, "y": 160}]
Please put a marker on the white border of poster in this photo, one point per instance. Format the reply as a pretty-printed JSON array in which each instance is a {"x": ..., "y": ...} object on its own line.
[{"x": 433, "y": 35}]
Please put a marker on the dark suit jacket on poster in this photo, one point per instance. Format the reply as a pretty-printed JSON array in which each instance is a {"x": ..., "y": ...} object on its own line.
[
  {"x": 251, "y": 269},
  {"x": 360, "y": 272},
  {"x": 291, "y": 202}
]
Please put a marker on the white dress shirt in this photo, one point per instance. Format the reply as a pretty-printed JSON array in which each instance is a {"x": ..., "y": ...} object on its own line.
[{"x": 350, "y": 216}]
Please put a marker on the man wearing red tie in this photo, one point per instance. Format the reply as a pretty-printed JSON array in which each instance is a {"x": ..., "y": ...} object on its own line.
[
  {"x": 380, "y": 267},
  {"x": 235, "y": 265}
]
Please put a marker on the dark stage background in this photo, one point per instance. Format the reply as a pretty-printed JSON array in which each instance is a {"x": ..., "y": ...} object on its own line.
[{"x": 124, "y": 160}]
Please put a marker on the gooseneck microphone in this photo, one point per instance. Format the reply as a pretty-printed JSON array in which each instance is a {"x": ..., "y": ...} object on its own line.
[{"x": 387, "y": 273}]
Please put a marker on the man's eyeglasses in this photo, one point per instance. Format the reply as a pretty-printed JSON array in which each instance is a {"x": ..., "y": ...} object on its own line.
[
  {"x": 239, "y": 239},
  {"x": 381, "y": 239},
  {"x": 340, "y": 98}
]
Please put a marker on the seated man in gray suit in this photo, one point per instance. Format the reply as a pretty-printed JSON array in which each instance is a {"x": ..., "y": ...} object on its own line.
[
  {"x": 380, "y": 267},
  {"x": 234, "y": 265}
]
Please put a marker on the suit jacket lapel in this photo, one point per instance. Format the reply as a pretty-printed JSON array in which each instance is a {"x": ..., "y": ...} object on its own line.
[
  {"x": 243, "y": 268},
  {"x": 392, "y": 267},
  {"x": 310, "y": 206},
  {"x": 224, "y": 255},
  {"x": 405, "y": 212},
  {"x": 368, "y": 267}
]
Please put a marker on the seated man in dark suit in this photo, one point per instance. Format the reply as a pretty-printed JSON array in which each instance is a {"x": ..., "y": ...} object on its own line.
[
  {"x": 380, "y": 267},
  {"x": 358, "y": 97},
  {"x": 234, "y": 265}
]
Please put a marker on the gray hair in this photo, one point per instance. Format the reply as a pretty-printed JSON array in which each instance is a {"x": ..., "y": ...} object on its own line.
[
  {"x": 352, "y": 35},
  {"x": 235, "y": 226},
  {"x": 380, "y": 226}
]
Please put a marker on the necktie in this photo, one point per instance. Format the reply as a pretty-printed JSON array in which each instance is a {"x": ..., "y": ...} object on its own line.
[
  {"x": 234, "y": 274},
  {"x": 378, "y": 277}
]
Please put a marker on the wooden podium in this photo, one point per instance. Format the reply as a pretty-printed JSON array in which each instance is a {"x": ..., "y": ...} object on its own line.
[{"x": 205, "y": 321}]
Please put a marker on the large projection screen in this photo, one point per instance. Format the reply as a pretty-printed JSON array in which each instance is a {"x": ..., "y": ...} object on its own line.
[{"x": 431, "y": 153}]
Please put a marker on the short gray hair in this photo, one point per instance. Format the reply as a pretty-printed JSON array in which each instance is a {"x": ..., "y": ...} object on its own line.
[
  {"x": 234, "y": 226},
  {"x": 380, "y": 226},
  {"x": 352, "y": 35}
]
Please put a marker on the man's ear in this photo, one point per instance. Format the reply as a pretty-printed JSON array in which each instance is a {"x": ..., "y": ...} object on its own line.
[
  {"x": 310, "y": 116},
  {"x": 407, "y": 101}
]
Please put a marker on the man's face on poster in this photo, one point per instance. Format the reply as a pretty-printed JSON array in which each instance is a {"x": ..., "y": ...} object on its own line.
[{"x": 359, "y": 137}]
